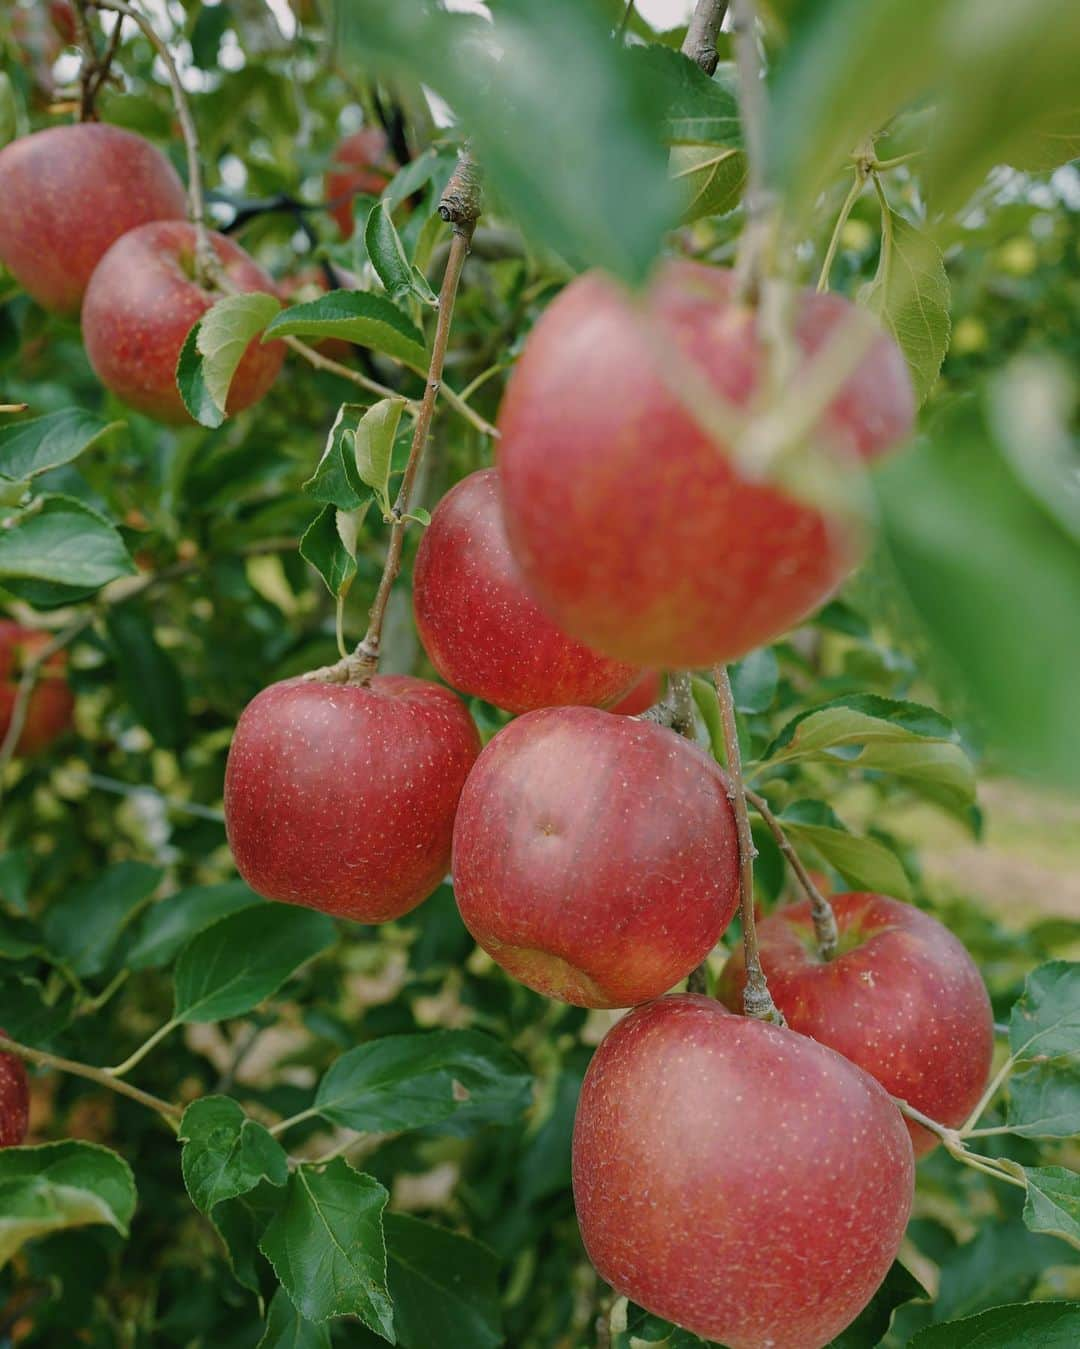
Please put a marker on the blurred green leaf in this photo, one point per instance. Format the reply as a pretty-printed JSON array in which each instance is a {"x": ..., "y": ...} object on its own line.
[
  {"x": 408, "y": 1081},
  {"x": 60, "y": 1185},
  {"x": 64, "y": 542},
  {"x": 444, "y": 1286},
  {"x": 241, "y": 960},
  {"x": 287, "y": 1329},
  {"x": 870, "y": 1327},
  {"x": 697, "y": 109},
  {"x": 326, "y": 1246},
  {"x": 169, "y": 924},
  {"x": 31, "y": 447},
  {"x": 710, "y": 179},
  {"x": 225, "y": 1153},
  {"x": 84, "y": 925},
  {"x": 357, "y": 316},
  {"x": 148, "y": 675},
  {"x": 754, "y": 680}
]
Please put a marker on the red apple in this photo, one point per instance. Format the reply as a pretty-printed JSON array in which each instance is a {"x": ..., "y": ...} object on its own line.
[
  {"x": 480, "y": 626},
  {"x": 48, "y": 714},
  {"x": 736, "y": 1178},
  {"x": 342, "y": 796},
  {"x": 638, "y": 532},
  {"x": 14, "y": 1100},
  {"x": 141, "y": 302},
  {"x": 902, "y": 998},
  {"x": 68, "y": 194},
  {"x": 361, "y": 163},
  {"x": 595, "y": 857},
  {"x": 646, "y": 693}
]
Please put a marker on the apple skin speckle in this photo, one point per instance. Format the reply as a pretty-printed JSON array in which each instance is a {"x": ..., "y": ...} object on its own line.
[
  {"x": 902, "y": 998},
  {"x": 14, "y": 1100},
  {"x": 595, "y": 856},
  {"x": 342, "y": 797},
  {"x": 737, "y": 1178},
  {"x": 634, "y": 527}
]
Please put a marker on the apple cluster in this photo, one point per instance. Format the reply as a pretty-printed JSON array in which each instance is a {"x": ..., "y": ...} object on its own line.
[
  {"x": 92, "y": 225},
  {"x": 747, "y": 1181}
]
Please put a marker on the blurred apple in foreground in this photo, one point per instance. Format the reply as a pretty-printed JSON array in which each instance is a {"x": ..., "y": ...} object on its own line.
[{"x": 736, "y": 1178}]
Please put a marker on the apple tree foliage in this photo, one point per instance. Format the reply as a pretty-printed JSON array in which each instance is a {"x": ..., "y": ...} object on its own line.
[{"x": 362, "y": 1134}]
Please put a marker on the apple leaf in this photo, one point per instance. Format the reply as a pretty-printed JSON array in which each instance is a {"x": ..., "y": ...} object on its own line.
[
  {"x": 1021, "y": 1325},
  {"x": 697, "y": 109},
  {"x": 754, "y": 681},
  {"x": 222, "y": 336},
  {"x": 169, "y": 924},
  {"x": 1045, "y": 1020},
  {"x": 323, "y": 546},
  {"x": 35, "y": 446},
  {"x": 84, "y": 924},
  {"x": 225, "y": 1153},
  {"x": 388, "y": 257},
  {"x": 444, "y": 1286},
  {"x": 1044, "y": 1099},
  {"x": 409, "y": 1081},
  {"x": 374, "y": 447},
  {"x": 148, "y": 676},
  {"x": 710, "y": 179},
  {"x": 911, "y": 296},
  {"x": 64, "y": 542},
  {"x": 9, "y": 109},
  {"x": 240, "y": 1223},
  {"x": 864, "y": 863},
  {"x": 287, "y": 1329},
  {"x": 1053, "y": 1201},
  {"x": 871, "y": 1326},
  {"x": 335, "y": 480},
  {"x": 60, "y": 1185},
  {"x": 239, "y": 961},
  {"x": 357, "y": 316},
  {"x": 327, "y": 1247}
]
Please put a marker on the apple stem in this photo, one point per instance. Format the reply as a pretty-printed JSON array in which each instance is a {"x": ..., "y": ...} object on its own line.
[
  {"x": 676, "y": 709},
  {"x": 101, "y": 1076},
  {"x": 825, "y": 931},
  {"x": 953, "y": 1141},
  {"x": 757, "y": 1000},
  {"x": 701, "y": 33},
  {"x": 207, "y": 267},
  {"x": 460, "y": 205}
]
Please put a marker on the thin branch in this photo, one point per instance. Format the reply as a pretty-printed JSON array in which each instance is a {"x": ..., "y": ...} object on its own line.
[
  {"x": 993, "y": 1087},
  {"x": 757, "y": 1000},
  {"x": 828, "y": 939},
  {"x": 954, "y": 1145},
  {"x": 122, "y": 1069},
  {"x": 206, "y": 261},
  {"x": 702, "y": 33},
  {"x": 624, "y": 22},
  {"x": 97, "y": 1075},
  {"x": 460, "y": 205}
]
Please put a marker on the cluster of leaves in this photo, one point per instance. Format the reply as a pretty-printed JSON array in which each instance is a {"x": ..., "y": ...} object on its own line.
[{"x": 374, "y": 1138}]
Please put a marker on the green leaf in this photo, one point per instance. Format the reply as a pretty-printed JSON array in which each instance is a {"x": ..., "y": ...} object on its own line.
[
  {"x": 224, "y": 333},
  {"x": 525, "y": 86},
  {"x": 323, "y": 546},
  {"x": 9, "y": 109},
  {"x": 387, "y": 254},
  {"x": 15, "y": 878},
  {"x": 287, "y": 1329},
  {"x": 1044, "y": 1098},
  {"x": 1052, "y": 1206},
  {"x": 870, "y": 1327},
  {"x": 1045, "y": 1020},
  {"x": 754, "y": 681},
  {"x": 240, "y": 1223},
  {"x": 326, "y": 1246},
  {"x": 357, "y": 316},
  {"x": 35, "y": 446},
  {"x": 241, "y": 960},
  {"x": 907, "y": 740},
  {"x": 27, "y": 1015},
  {"x": 863, "y": 862},
  {"x": 335, "y": 480},
  {"x": 1049, "y": 142},
  {"x": 168, "y": 925},
  {"x": 374, "y": 446},
  {"x": 191, "y": 381},
  {"x": 444, "y": 1287},
  {"x": 84, "y": 925},
  {"x": 994, "y": 576},
  {"x": 1022, "y": 1325},
  {"x": 64, "y": 542},
  {"x": 226, "y": 1153},
  {"x": 148, "y": 675},
  {"x": 18, "y": 938},
  {"x": 59, "y": 1185},
  {"x": 697, "y": 109},
  {"x": 710, "y": 179},
  {"x": 911, "y": 295},
  {"x": 409, "y": 1081}
]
